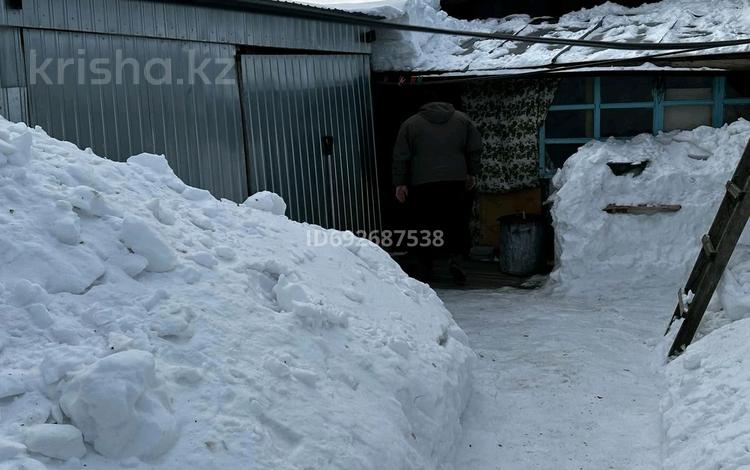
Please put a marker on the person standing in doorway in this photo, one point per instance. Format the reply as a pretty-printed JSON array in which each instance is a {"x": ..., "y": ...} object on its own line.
[{"x": 436, "y": 160}]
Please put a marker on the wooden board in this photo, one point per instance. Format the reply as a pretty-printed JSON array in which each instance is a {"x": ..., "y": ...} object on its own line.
[{"x": 640, "y": 209}]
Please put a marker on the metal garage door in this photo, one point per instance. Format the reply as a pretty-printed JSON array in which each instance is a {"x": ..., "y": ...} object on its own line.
[{"x": 292, "y": 104}]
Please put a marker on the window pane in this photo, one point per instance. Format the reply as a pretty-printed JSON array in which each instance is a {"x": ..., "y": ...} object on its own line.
[
  {"x": 626, "y": 122},
  {"x": 627, "y": 89},
  {"x": 575, "y": 91},
  {"x": 738, "y": 86},
  {"x": 572, "y": 124},
  {"x": 688, "y": 88},
  {"x": 558, "y": 153},
  {"x": 686, "y": 117},
  {"x": 732, "y": 113}
]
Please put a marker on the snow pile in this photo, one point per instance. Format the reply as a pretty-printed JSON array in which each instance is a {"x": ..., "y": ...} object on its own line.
[
  {"x": 706, "y": 419},
  {"x": 674, "y": 21},
  {"x": 686, "y": 168},
  {"x": 408, "y": 51},
  {"x": 146, "y": 324}
]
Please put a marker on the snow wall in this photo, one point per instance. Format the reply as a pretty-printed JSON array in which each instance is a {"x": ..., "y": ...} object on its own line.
[
  {"x": 598, "y": 249},
  {"x": 705, "y": 411},
  {"x": 147, "y": 324}
]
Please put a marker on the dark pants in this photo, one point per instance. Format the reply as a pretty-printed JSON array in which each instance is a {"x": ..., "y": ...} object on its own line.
[{"x": 442, "y": 209}]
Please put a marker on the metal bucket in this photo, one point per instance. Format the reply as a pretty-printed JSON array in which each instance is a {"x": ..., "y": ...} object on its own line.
[{"x": 521, "y": 250}]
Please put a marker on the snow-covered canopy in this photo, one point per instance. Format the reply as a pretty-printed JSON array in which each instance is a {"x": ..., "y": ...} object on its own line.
[
  {"x": 380, "y": 8},
  {"x": 668, "y": 21}
]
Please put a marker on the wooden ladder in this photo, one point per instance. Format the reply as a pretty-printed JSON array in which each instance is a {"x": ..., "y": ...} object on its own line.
[{"x": 718, "y": 246}]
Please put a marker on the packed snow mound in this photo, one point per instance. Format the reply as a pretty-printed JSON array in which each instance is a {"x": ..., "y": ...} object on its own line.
[
  {"x": 686, "y": 168},
  {"x": 706, "y": 420},
  {"x": 146, "y": 324}
]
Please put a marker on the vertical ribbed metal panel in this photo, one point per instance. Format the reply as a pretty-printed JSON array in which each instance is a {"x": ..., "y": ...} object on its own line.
[
  {"x": 198, "y": 126},
  {"x": 13, "y": 92},
  {"x": 149, "y": 18},
  {"x": 292, "y": 102}
]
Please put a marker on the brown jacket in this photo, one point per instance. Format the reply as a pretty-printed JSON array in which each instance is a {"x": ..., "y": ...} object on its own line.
[{"x": 436, "y": 144}]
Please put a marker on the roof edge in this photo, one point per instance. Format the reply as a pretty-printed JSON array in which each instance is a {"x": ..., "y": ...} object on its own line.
[{"x": 280, "y": 7}]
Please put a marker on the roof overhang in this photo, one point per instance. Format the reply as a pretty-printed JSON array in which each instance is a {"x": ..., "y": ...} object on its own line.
[{"x": 281, "y": 7}]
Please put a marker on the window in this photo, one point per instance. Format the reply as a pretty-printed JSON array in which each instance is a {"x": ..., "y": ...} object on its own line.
[
  {"x": 558, "y": 153},
  {"x": 587, "y": 108},
  {"x": 627, "y": 89},
  {"x": 737, "y": 86},
  {"x": 686, "y": 117},
  {"x": 626, "y": 122},
  {"x": 575, "y": 91},
  {"x": 688, "y": 88},
  {"x": 734, "y": 112},
  {"x": 563, "y": 124}
]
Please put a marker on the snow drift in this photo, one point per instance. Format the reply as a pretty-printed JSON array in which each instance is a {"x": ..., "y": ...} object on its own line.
[{"x": 145, "y": 322}]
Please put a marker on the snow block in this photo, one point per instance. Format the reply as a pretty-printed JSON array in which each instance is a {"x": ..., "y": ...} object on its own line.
[
  {"x": 10, "y": 449},
  {"x": 59, "y": 441},
  {"x": 21, "y": 153},
  {"x": 120, "y": 410},
  {"x": 11, "y": 386},
  {"x": 143, "y": 240},
  {"x": 156, "y": 163},
  {"x": 90, "y": 202},
  {"x": 266, "y": 201}
]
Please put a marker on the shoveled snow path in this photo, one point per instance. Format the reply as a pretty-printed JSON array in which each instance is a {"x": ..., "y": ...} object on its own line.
[{"x": 562, "y": 382}]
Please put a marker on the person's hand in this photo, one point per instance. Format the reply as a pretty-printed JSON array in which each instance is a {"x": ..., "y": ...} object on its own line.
[
  {"x": 401, "y": 192},
  {"x": 471, "y": 182}
]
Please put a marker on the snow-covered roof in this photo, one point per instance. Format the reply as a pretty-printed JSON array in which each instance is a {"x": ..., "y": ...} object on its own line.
[
  {"x": 668, "y": 21},
  {"x": 380, "y": 8}
]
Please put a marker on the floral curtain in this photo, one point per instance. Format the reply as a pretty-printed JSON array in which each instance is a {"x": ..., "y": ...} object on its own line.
[{"x": 508, "y": 114}]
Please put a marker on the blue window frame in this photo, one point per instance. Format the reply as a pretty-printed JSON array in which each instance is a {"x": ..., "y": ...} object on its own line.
[{"x": 676, "y": 102}]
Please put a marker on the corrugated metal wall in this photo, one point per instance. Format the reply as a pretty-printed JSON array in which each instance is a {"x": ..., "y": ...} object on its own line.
[
  {"x": 13, "y": 93},
  {"x": 292, "y": 102},
  {"x": 197, "y": 125},
  {"x": 186, "y": 22}
]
